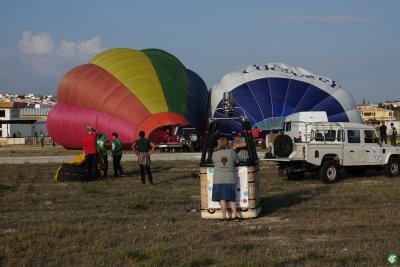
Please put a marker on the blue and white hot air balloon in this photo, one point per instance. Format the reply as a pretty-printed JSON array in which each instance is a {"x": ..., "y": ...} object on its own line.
[{"x": 267, "y": 93}]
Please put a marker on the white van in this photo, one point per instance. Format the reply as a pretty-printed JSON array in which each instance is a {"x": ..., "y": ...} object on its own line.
[{"x": 297, "y": 125}]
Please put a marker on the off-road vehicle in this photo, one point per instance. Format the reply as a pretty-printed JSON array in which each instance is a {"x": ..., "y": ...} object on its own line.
[{"x": 326, "y": 148}]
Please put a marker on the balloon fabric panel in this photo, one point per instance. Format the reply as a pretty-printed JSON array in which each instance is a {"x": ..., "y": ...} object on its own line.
[
  {"x": 173, "y": 78},
  {"x": 296, "y": 91},
  {"x": 196, "y": 106},
  {"x": 311, "y": 98},
  {"x": 279, "y": 88},
  {"x": 135, "y": 70},
  {"x": 244, "y": 99},
  {"x": 261, "y": 92},
  {"x": 330, "y": 105},
  {"x": 340, "y": 117},
  {"x": 101, "y": 92},
  {"x": 71, "y": 130}
]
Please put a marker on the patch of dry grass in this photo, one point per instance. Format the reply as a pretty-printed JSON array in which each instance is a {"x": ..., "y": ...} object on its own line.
[
  {"x": 28, "y": 150},
  {"x": 120, "y": 222}
]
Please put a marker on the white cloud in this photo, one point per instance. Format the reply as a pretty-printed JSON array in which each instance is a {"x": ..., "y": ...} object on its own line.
[
  {"x": 91, "y": 46},
  {"x": 330, "y": 19},
  {"x": 43, "y": 56},
  {"x": 43, "y": 44},
  {"x": 36, "y": 44},
  {"x": 68, "y": 49}
]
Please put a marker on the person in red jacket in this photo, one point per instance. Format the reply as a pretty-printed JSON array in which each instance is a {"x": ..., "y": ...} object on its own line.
[
  {"x": 256, "y": 132},
  {"x": 89, "y": 144}
]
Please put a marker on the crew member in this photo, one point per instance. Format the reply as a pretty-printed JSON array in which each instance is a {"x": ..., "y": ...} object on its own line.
[
  {"x": 89, "y": 145},
  {"x": 143, "y": 148}
]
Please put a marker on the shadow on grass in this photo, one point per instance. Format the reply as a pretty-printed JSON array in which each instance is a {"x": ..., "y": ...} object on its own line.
[
  {"x": 154, "y": 170},
  {"x": 272, "y": 204}
]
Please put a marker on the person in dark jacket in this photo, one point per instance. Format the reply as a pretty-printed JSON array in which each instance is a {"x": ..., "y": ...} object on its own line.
[{"x": 382, "y": 133}]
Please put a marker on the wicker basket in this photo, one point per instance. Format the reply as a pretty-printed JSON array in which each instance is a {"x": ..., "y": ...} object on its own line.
[{"x": 253, "y": 184}]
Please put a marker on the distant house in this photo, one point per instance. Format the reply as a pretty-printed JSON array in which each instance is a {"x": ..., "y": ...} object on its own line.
[
  {"x": 18, "y": 118},
  {"x": 394, "y": 103},
  {"x": 372, "y": 112}
]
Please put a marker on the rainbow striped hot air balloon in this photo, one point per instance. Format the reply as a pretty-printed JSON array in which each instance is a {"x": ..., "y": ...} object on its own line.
[{"x": 125, "y": 90}]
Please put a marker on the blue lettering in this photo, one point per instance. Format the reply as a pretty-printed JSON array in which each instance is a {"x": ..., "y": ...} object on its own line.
[{"x": 274, "y": 67}]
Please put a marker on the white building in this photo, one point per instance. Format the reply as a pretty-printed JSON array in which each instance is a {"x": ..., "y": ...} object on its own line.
[{"x": 18, "y": 120}]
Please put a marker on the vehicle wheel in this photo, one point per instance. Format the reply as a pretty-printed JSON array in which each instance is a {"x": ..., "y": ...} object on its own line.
[
  {"x": 392, "y": 167},
  {"x": 283, "y": 146},
  {"x": 329, "y": 172},
  {"x": 295, "y": 176}
]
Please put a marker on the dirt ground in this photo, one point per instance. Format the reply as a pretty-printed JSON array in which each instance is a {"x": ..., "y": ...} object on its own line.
[{"x": 120, "y": 222}]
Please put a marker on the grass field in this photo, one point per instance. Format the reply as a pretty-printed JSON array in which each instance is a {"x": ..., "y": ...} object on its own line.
[
  {"x": 22, "y": 151},
  {"x": 120, "y": 222},
  {"x": 47, "y": 150}
]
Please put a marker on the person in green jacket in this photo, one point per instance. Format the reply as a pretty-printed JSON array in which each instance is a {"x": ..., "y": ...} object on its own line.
[
  {"x": 102, "y": 141},
  {"x": 41, "y": 137},
  {"x": 143, "y": 148},
  {"x": 116, "y": 152}
]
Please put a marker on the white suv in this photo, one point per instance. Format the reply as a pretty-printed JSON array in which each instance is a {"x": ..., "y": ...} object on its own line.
[{"x": 327, "y": 147}]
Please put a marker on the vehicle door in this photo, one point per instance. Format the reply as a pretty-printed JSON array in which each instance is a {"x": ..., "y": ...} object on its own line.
[
  {"x": 372, "y": 150},
  {"x": 353, "y": 150}
]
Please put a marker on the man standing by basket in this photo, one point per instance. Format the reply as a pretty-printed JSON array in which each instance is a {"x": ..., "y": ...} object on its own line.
[{"x": 143, "y": 148}]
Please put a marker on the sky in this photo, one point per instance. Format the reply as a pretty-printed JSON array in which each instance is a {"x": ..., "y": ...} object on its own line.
[{"x": 354, "y": 42}]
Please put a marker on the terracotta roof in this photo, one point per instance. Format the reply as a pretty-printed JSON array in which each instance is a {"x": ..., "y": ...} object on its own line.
[{"x": 13, "y": 104}]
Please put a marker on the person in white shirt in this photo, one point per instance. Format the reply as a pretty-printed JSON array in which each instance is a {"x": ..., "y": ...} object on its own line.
[{"x": 392, "y": 134}]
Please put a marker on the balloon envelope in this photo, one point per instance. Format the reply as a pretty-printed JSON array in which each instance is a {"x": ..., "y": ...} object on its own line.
[
  {"x": 268, "y": 93},
  {"x": 125, "y": 91}
]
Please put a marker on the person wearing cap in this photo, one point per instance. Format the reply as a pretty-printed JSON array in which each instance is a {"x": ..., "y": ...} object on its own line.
[
  {"x": 89, "y": 145},
  {"x": 116, "y": 152},
  {"x": 240, "y": 146}
]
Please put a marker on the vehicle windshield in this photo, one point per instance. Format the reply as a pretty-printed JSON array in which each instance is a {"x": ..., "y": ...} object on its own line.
[{"x": 186, "y": 131}]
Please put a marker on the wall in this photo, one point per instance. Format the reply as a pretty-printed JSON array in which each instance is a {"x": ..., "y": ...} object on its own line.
[
  {"x": 27, "y": 130},
  {"x": 7, "y": 116}
]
